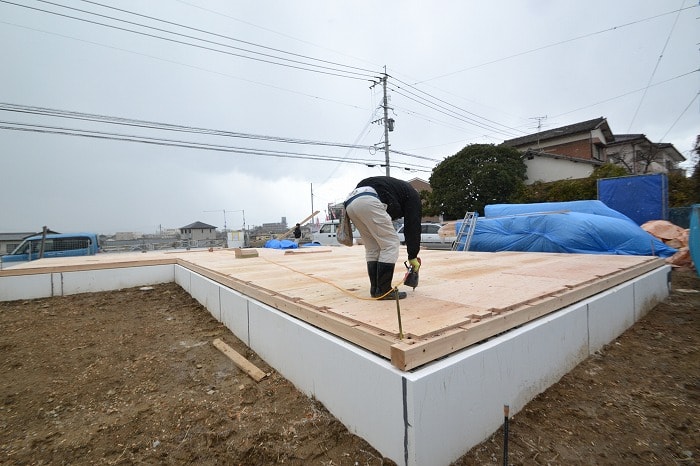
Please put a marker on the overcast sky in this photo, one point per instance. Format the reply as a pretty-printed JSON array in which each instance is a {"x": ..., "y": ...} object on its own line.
[{"x": 460, "y": 72}]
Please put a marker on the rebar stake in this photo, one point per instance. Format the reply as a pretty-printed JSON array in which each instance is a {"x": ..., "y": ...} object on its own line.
[
  {"x": 506, "y": 410},
  {"x": 398, "y": 311}
]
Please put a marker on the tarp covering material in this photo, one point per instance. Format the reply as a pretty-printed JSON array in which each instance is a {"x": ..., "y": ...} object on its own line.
[
  {"x": 641, "y": 197},
  {"x": 694, "y": 241},
  {"x": 584, "y": 207},
  {"x": 281, "y": 244},
  {"x": 564, "y": 230}
]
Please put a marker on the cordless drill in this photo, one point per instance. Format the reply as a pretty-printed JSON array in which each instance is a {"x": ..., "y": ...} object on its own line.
[{"x": 411, "y": 277}]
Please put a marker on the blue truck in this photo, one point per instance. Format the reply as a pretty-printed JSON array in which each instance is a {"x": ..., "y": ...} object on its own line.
[{"x": 54, "y": 245}]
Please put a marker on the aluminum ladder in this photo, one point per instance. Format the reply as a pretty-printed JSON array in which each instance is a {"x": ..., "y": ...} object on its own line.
[{"x": 466, "y": 231}]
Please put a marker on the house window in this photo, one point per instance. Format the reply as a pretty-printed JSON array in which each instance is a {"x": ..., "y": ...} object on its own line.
[{"x": 598, "y": 151}]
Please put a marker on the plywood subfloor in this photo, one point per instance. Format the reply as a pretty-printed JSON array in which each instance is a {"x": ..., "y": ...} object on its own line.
[{"x": 462, "y": 298}]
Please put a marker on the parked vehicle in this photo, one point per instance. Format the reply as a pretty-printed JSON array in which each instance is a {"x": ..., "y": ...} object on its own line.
[
  {"x": 328, "y": 233},
  {"x": 429, "y": 234},
  {"x": 54, "y": 245}
]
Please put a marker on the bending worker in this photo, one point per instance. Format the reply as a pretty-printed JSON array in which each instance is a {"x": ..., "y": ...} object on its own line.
[{"x": 372, "y": 206}]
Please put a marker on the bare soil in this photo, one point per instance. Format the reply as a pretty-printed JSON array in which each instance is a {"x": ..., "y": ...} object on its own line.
[{"x": 131, "y": 376}]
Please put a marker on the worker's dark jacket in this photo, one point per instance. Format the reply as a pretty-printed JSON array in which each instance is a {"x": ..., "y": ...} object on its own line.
[{"x": 402, "y": 200}]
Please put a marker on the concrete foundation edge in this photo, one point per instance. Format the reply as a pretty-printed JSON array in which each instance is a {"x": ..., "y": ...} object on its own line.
[{"x": 431, "y": 415}]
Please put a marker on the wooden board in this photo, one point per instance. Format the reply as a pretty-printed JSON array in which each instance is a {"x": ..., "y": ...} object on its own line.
[
  {"x": 245, "y": 365},
  {"x": 463, "y": 297}
]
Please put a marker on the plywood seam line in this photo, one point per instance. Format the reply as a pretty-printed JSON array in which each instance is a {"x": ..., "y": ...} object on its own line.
[{"x": 328, "y": 282}]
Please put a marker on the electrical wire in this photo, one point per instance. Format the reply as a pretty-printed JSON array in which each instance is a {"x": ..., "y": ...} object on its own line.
[
  {"x": 452, "y": 114},
  {"x": 95, "y": 118},
  {"x": 537, "y": 49},
  {"x": 656, "y": 67},
  {"x": 627, "y": 93},
  {"x": 4, "y": 106},
  {"x": 431, "y": 97},
  {"x": 328, "y": 70},
  {"x": 207, "y": 70},
  {"x": 679, "y": 116},
  {"x": 221, "y": 36},
  {"x": 45, "y": 129},
  {"x": 322, "y": 69}
]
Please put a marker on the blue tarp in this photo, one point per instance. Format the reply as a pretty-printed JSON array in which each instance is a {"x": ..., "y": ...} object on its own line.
[
  {"x": 281, "y": 244},
  {"x": 584, "y": 207},
  {"x": 570, "y": 228},
  {"x": 640, "y": 197},
  {"x": 694, "y": 240}
]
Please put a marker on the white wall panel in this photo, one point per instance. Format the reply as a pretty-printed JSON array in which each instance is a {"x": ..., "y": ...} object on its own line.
[
  {"x": 458, "y": 402},
  {"x": 362, "y": 390}
]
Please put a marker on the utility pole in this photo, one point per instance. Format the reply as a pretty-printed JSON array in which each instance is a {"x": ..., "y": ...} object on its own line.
[
  {"x": 312, "y": 203},
  {"x": 386, "y": 125},
  {"x": 386, "y": 121}
]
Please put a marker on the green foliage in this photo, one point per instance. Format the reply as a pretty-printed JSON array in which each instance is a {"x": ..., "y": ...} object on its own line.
[
  {"x": 696, "y": 171},
  {"x": 608, "y": 170},
  {"x": 569, "y": 190},
  {"x": 680, "y": 191},
  {"x": 478, "y": 175}
]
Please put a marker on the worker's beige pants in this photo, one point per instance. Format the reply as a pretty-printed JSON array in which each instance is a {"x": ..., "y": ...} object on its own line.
[{"x": 379, "y": 236}]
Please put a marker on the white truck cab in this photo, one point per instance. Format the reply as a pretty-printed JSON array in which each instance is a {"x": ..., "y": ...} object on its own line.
[{"x": 327, "y": 234}]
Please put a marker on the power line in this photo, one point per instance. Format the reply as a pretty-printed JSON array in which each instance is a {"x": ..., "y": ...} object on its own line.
[
  {"x": 537, "y": 49},
  {"x": 4, "y": 106},
  {"x": 220, "y": 35},
  {"x": 679, "y": 116},
  {"x": 296, "y": 63},
  {"x": 452, "y": 114},
  {"x": 44, "y": 129},
  {"x": 287, "y": 36},
  {"x": 656, "y": 67},
  {"x": 627, "y": 93},
  {"x": 420, "y": 100},
  {"x": 185, "y": 65},
  {"x": 430, "y": 96}
]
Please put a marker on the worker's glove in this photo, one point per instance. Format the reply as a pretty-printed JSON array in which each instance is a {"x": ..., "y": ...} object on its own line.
[{"x": 415, "y": 263}]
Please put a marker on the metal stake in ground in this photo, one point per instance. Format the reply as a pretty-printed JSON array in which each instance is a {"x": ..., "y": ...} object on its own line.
[
  {"x": 398, "y": 311},
  {"x": 506, "y": 410}
]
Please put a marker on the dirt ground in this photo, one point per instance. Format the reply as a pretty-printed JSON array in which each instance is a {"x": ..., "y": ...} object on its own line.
[{"x": 132, "y": 377}]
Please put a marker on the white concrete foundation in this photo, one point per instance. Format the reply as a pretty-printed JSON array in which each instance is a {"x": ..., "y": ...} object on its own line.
[{"x": 431, "y": 415}]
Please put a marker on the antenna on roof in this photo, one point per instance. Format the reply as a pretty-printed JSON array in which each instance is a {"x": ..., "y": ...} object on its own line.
[{"x": 539, "y": 127}]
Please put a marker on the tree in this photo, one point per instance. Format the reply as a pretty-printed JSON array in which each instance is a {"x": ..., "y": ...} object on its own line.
[
  {"x": 478, "y": 175},
  {"x": 696, "y": 171}
]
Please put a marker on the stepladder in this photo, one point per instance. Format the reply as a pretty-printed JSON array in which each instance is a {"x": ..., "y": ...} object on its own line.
[{"x": 465, "y": 232}]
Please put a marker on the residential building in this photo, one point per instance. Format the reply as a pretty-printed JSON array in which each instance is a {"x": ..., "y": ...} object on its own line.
[
  {"x": 198, "y": 231},
  {"x": 568, "y": 152},
  {"x": 9, "y": 241},
  {"x": 574, "y": 151},
  {"x": 274, "y": 228},
  {"x": 422, "y": 185},
  {"x": 638, "y": 155}
]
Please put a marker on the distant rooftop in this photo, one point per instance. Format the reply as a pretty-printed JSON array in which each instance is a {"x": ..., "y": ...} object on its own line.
[
  {"x": 198, "y": 225},
  {"x": 576, "y": 128}
]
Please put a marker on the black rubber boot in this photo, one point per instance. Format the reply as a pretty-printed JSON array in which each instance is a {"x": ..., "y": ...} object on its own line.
[
  {"x": 372, "y": 272},
  {"x": 385, "y": 273}
]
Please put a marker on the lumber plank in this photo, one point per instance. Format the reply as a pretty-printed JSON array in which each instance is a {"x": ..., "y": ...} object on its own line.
[
  {"x": 407, "y": 355},
  {"x": 373, "y": 340},
  {"x": 463, "y": 297},
  {"x": 79, "y": 267},
  {"x": 246, "y": 366}
]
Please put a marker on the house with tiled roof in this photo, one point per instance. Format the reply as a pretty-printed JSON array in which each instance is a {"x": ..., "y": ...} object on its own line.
[
  {"x": 567, "y": 152},
  {"x": 198, "y": 231},
  {"x": 575, "y": 150},
  {"x": 638, "y": 155}
]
